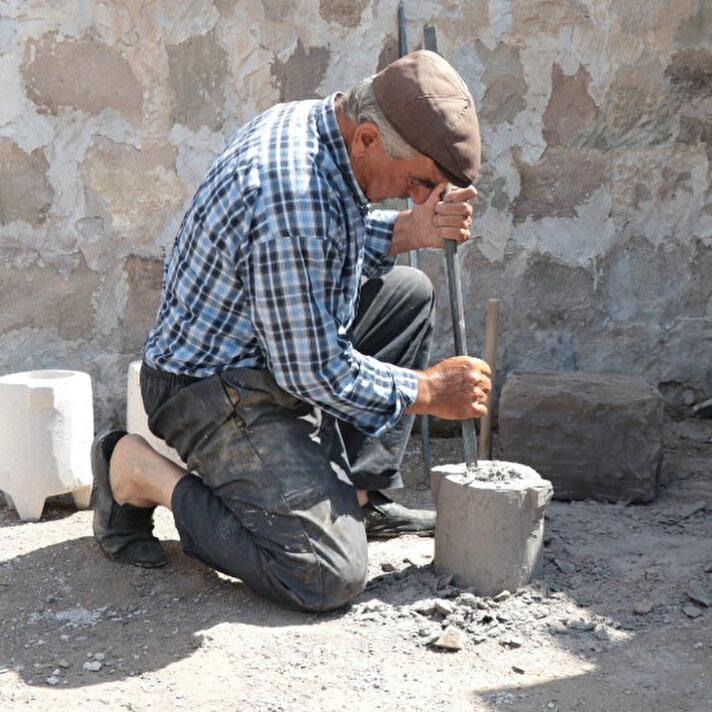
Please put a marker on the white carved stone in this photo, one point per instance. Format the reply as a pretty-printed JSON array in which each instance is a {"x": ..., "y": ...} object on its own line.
[
  {"x": 46, "y": 431},
  {"x": 490, "y": 527},
  {"x": 136, "y": 418}
]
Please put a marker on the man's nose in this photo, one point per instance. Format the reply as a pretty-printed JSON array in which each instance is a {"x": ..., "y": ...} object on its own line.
[{"x": 418, "y": 194}]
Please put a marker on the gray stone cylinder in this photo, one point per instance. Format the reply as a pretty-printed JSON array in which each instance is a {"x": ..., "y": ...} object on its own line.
[{"x": 490, "y": 527}]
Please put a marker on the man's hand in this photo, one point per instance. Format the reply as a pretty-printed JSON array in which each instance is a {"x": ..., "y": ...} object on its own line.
[
  {"x": 454, "y": 389},
  {"x": 436, "y": 220},
  {"x": 430, "y": 223}
]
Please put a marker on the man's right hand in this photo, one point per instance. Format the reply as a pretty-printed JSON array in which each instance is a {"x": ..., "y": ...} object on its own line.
[{"x": 454, "y": 389}]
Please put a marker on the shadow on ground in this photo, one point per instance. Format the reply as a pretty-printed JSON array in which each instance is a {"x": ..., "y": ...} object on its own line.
[
  {"x": 65, "y": 605},
  {"x": 58, "y": 507}
]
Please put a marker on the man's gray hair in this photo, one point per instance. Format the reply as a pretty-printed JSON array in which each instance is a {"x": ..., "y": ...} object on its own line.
[{"x": 360, "y": 105}]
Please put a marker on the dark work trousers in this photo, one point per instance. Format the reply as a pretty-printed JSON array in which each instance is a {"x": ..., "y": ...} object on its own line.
[{"x": 274, "y": 500}]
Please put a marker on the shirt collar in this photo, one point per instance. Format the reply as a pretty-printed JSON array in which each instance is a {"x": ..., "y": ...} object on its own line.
[{"x": 330, "y": 133}]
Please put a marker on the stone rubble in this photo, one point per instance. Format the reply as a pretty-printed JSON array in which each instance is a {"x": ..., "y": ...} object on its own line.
[
  {"x": 510, "y": 642},
  {"x": 437, "y": 613},
  {"x": 691, "y": 611},
  {"x": 698, "y": 595},
  {"x": 422, "y": 606}
]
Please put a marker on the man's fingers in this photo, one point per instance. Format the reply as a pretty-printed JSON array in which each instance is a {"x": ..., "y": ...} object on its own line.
[
  {"x": 479, "y": 410},
  {"x": 451, "y": 221},
  {"x": 485, "y": 383},
  {"x": 482, "y": 366},
  {"x": 458, "y": 235},
  {"x": 457, "y": 208},
  {"x": 437, "y": 192},
  {"x": 459, "y": 195},
  {"x": 479, "y": 380},
  {"x": 480, "y": 395}
]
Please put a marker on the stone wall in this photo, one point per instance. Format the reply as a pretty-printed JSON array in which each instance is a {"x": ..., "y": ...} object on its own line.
[{"x": 595, "y": 218}]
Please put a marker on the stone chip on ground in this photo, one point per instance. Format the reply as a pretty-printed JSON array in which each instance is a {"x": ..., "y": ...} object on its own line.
[
  {"x": 425, "y": 607},
  {"x": 451, "y": 639},
  {"x": 443, "y": 607},
  {"x": 566, "y": 567},
  {"x": 511, "y": 641},
  {"x": 643, "y": 607},
  {"x": 691, "y": 510},
  {"x": 697, "y": 594},
  {"x": 582, "y": 624},
  {"x": 467, "y": 599},
  {"x": 691, "y": 611}
]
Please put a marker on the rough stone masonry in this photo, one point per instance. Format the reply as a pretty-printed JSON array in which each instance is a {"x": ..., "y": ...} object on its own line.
[{"x": 595, "y": 218}]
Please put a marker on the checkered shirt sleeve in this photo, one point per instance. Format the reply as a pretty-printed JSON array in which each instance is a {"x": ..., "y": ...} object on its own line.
[{"x": 379, "y": 235}]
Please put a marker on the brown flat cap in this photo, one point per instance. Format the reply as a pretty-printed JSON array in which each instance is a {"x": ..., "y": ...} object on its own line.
[{"x": 428, "y": 104}]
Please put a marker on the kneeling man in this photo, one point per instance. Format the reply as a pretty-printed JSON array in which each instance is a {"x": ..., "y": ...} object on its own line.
[{"x": 289, "y": 356}]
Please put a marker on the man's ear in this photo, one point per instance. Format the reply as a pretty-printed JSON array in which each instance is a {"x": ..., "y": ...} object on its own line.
[{"x": 365, "y": 137}]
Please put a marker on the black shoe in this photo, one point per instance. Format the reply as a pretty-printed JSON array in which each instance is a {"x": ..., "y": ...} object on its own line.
[
  {"x": 385, "y": 518},
  {"x": 124, "y": 532}
]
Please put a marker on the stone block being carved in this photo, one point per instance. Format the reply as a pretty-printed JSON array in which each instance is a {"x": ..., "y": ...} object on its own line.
[{"x": 490, "y": 528}]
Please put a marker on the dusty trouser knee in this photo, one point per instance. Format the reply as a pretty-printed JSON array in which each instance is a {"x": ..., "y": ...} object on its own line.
[
  {"x": 339, "y": 560},
  {"x": 314, "y": 560},
  {"x": 342, "y": 586},
  {"x": 330, "y": 578}
]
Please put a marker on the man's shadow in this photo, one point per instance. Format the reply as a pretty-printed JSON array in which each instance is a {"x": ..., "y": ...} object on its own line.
[{"x": 65, "y": 605}]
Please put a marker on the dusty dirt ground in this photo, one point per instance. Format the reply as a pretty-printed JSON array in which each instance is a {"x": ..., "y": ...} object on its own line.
[{"x": 611, "y": 625}]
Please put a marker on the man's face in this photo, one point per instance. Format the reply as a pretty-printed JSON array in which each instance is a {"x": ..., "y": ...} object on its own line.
[{"x": 382, "y": 177}]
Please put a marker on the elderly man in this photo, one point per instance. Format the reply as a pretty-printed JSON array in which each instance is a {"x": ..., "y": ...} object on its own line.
[{"x": 289, "y": 356}]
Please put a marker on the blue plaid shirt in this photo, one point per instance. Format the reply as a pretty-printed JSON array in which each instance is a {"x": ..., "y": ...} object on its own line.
[{"x": 267, "y": 265}]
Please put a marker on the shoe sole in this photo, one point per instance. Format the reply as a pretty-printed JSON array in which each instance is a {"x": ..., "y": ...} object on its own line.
[{"x": 128, "y": 562}]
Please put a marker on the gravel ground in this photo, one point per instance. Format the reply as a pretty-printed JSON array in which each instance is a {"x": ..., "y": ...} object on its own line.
[{"x": 619, "y": 621}]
